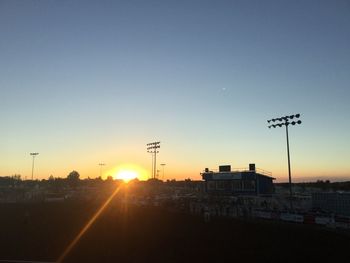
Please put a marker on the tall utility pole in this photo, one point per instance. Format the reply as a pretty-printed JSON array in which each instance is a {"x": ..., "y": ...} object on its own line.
[
  {"x": 101, "y": 164},
  {"x": 152, "y": 148},
  {"x": 286, "y": 122},
  {"x": 163, "y": 164},
  {"x": 33, "y": 154}
]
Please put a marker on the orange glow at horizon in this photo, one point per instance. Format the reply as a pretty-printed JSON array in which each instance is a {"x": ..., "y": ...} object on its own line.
[
  {"x": 127, "y": 172},
  {"x": 126, "y": 175}
]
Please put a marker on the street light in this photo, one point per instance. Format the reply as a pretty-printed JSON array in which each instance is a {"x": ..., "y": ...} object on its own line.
[
  {"x": 163, "y": 164},
  {"x": 33, "y": 154},
  {"x": 152, "y": 148},
  {"x": 101, "y": 164},
  {"x": 279, "y": 122}
]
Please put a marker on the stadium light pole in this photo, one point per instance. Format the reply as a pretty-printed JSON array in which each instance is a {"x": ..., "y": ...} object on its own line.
[
  {"x": 33, "y": 155},
  {"x": 101, "y": 164},
  {"x": 163, "y": 164},
  {"x": 286, "y": 121},
  {"x": 152, "y": 148},
  {"x": 151, "y": 162}
]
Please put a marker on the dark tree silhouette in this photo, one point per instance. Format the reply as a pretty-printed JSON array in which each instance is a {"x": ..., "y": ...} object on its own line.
[
  {"x": 109, "y": 178},
  {"x": 73, "y": 176},
  {"x": 73, "y": 179}
]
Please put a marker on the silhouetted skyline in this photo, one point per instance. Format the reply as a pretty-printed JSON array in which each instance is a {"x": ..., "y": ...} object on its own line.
[{"x": 86, "y": 82}]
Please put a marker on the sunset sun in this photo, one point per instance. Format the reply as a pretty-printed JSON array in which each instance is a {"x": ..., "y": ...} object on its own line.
[
  {"x": 126, "y": 175},
  {"x": 127, "y": 172}
]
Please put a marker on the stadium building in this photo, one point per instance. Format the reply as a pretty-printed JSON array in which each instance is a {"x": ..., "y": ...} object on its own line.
[{"x": 247, "y": 181}]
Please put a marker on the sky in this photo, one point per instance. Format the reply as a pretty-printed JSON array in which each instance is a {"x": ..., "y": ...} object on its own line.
[{"x": 85, "y": 82}]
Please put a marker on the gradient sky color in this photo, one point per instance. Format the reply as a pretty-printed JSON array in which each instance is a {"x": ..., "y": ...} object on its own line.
[{"x": 84, "y": 82}]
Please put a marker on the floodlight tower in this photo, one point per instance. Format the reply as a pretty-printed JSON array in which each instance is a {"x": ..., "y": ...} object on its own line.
[
  {"x": 151, "y": 162},
  {"x": 33, "y": 155},
  {"x": 286, "y": 122},
  {"x": 152, "y": 148},
  {"x": 101, "y": 164},
  {"x": 163, "y": 164}
]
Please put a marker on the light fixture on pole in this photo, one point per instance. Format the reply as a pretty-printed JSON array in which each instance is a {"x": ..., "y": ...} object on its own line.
[
  {"x": 285, "y": 121},
  {"x": 152, "y": 148},
  {"x": 163, "y": 164},
  {"x": 101, "y": 164},
  {"x": 33, "y": 155}
]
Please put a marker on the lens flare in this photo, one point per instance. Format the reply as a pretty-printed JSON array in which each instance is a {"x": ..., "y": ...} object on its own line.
[{"x": 87, "y": 226}]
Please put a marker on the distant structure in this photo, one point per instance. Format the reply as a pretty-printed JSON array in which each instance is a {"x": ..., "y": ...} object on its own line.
[{"x": 248, "y": 181}]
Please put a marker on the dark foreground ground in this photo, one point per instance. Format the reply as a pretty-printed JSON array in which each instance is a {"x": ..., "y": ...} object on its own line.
[{"x": 133, "y": 234}]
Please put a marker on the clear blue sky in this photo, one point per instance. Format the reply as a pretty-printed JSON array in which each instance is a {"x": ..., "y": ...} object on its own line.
[{"x": 89, "y": 81}]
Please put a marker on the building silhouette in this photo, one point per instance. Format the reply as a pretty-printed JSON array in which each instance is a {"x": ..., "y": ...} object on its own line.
[{"x": 247, "y": 181}]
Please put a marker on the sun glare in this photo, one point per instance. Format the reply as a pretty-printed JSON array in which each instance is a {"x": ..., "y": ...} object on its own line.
[
  {"x": 126, "y": 175},
  {"x": 127, "y": 172}
]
